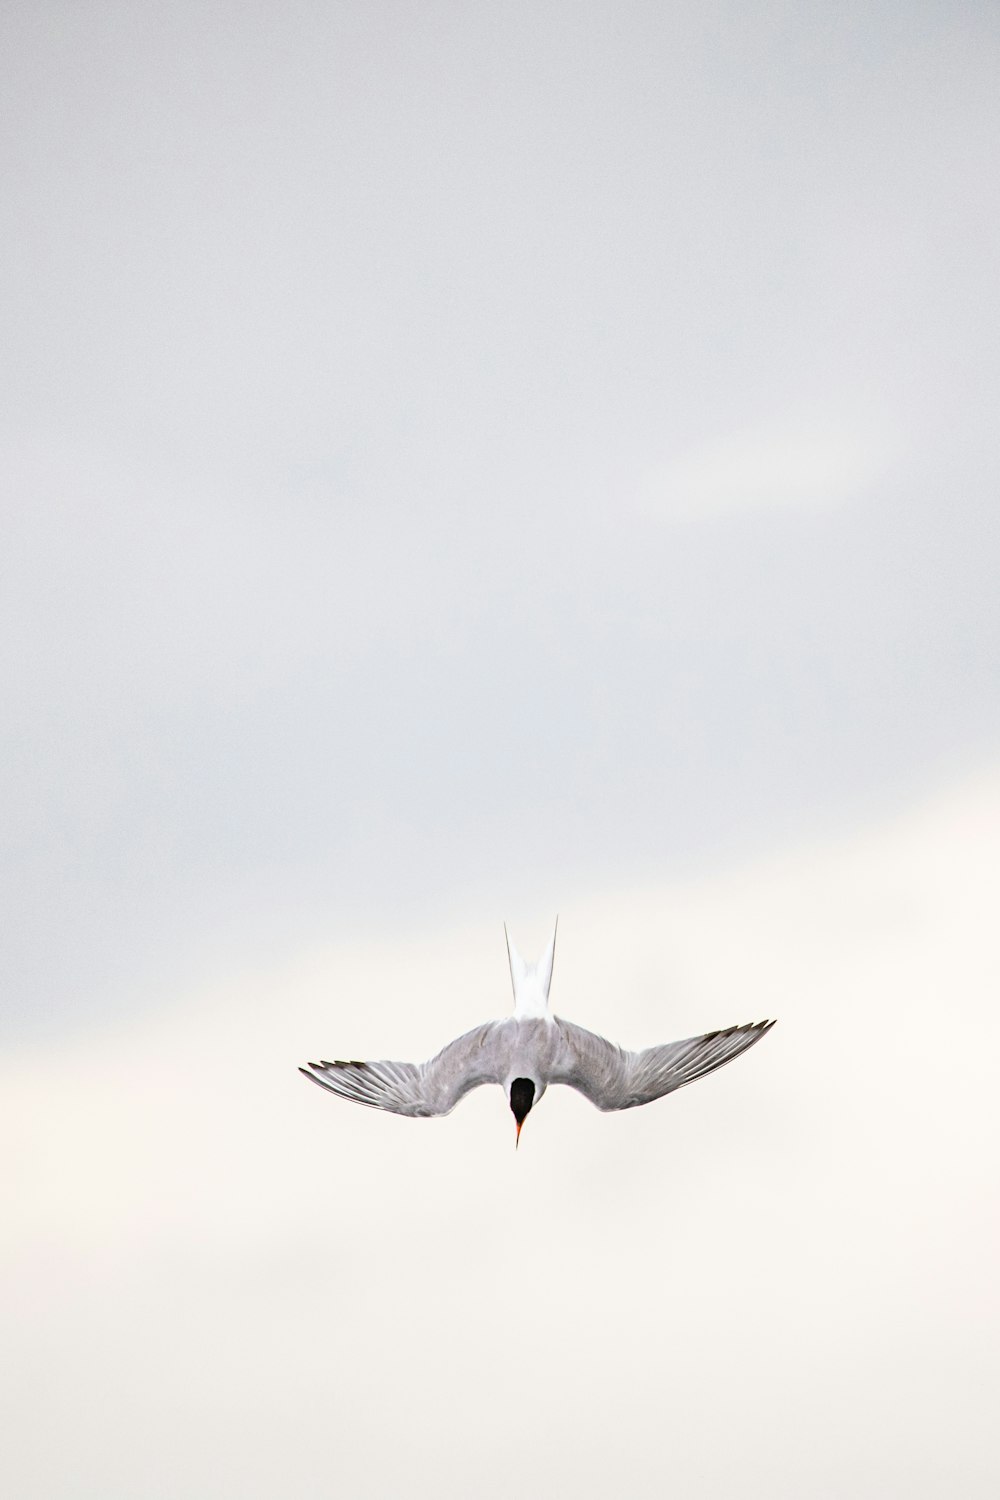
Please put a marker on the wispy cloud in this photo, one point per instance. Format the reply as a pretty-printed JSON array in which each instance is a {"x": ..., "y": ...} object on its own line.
[{"x": 780, "y": 467}]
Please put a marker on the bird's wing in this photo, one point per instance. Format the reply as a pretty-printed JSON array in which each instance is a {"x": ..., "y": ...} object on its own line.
[
  {"x": 416, "y": 1089},
  {"x": 612, "y": 1078}
]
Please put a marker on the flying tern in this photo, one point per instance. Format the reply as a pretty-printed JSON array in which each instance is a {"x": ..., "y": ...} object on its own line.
[{"x": 526, "y": 1052}]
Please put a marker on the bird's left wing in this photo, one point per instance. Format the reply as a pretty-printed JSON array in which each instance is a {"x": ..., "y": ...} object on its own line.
[
  {"x": 415, "y": 1089},
  {"x": 612, "y": 1078}
]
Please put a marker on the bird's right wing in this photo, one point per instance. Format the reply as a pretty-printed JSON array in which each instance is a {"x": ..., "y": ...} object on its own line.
[
  {"x": 612, "y": 1078},
  {"x": 415, "y": 1089}
]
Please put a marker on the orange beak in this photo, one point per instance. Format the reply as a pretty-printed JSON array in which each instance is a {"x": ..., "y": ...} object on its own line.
[{"x": 517, "y": 1138}]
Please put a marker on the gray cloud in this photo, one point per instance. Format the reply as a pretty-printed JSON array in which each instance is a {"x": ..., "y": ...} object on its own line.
[{"x": 339, "y": 349}]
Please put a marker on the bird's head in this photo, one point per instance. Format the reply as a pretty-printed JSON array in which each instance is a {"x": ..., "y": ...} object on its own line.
[{"x": 522, "y": 1097}]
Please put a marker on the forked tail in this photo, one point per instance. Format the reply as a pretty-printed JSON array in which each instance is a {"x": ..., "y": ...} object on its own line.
[{"x": 531, "y": 981}]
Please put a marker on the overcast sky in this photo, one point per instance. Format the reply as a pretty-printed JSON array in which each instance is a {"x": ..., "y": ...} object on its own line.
[
  {"x": 464, "y": 462},
  {"x": 459, "y": 456}
]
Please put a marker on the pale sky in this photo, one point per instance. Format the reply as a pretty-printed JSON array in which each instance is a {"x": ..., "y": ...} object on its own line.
[
  {"x": 220, "y": 1281},
  {"x": 464, "y": 463}
]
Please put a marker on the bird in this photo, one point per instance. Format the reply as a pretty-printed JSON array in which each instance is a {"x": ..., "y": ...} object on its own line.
[{"x": 526, "y": 1052}]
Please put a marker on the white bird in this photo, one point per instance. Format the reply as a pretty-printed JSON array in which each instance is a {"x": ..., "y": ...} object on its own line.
[{"x": 526, "y": 1052}]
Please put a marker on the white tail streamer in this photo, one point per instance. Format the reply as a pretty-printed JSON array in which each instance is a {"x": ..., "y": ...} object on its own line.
[{"x": 531, "y": 982}]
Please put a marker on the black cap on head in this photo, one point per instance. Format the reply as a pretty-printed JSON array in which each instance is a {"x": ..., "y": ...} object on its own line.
[{"x": 522, "y": 1094}]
